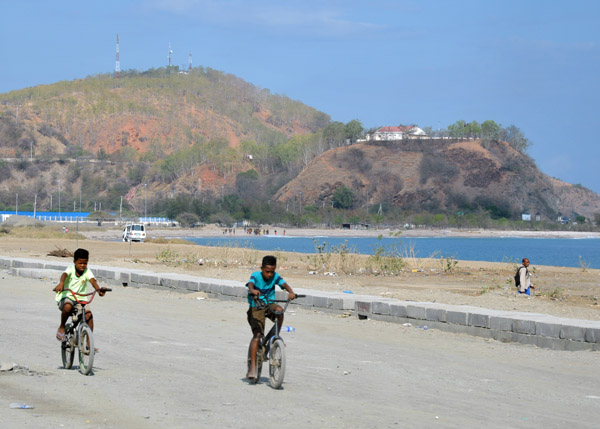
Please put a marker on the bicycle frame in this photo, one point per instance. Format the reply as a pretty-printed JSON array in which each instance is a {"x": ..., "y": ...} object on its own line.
[
  {"x": 79, "y": 303},
  {"x": 273, "y": 334}
]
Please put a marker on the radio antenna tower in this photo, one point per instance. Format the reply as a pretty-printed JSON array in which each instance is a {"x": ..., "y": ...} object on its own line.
[
  {"x": 117, "y": 64},
  {"x": 170, "y": 52},
  {"x": 190, "y": 63}
]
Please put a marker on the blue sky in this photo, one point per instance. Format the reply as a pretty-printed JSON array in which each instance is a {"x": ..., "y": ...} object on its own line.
[{"x": 530, "y": 63}]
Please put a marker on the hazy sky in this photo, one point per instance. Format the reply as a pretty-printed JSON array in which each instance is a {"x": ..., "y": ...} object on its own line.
[{"x": 534, "y": 64}]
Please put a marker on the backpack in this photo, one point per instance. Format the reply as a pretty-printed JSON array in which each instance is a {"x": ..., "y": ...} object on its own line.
[{"x": 518, "y": 277}]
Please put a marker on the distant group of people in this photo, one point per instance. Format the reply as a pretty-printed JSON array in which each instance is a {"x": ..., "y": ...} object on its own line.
[
  {"x": 250, "y": 231},
  {"x": 258, "y": 231}
]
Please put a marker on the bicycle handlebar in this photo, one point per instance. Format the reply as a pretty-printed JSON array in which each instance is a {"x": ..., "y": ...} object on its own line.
[
  {"x": 263, "y": 303},
  {"x": 76, "y": 294}
]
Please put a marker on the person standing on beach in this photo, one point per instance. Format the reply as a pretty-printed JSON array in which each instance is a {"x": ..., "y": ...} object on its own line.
[{"x": 525, "y": 285}]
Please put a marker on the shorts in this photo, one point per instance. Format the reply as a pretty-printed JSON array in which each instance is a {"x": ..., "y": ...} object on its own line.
[
  {"x": 63, "y": 301},
  {"x": 527, "y": 291},
  {"x": 257, "y": 318},
  {"x": 75, "y": 306}
]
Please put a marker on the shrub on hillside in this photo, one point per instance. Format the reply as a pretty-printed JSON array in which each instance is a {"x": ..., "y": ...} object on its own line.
[{"x": 5, "y": 171}]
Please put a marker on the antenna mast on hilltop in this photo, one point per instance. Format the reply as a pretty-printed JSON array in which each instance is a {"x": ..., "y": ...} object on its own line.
[
  {"x": 170, "y": 52},
  {"x": 117, "y": 64},
  {"x": 190, "y": 63}
]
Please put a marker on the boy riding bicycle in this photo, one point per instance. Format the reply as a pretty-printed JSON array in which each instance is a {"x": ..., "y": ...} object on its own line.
[
  {"x": 75, "y": 278},
  {"x": 262, "y": 287}
]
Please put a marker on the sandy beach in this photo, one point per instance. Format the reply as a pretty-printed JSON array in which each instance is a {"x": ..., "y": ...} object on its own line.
[
  {"x": 215, "y": 231},
  {"x": 560, "y": 291}
]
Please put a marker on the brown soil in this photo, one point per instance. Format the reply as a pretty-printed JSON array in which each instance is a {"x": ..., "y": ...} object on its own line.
[{"x": 560, "y": 291}]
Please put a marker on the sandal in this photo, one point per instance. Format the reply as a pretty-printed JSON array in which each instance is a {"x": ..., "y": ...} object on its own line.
[{"x": 60, "y": 336}]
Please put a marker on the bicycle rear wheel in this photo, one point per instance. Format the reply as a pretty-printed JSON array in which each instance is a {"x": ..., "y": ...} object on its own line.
[
  {"x": 277, "y": 364},
  {"x": 86, "y": 350},
  {"x": 67, "y": 348},
  {"x": 259, "y": 362}
]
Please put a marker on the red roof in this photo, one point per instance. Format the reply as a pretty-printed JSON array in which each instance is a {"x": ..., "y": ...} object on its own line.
[{"x": 394, "y": 129}]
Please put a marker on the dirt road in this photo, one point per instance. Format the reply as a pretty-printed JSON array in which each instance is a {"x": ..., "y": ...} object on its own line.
[{"x": 172, "y": 360}]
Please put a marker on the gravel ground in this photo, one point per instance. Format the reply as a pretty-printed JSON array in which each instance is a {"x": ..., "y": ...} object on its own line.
[{"x": 178, "y": 360}]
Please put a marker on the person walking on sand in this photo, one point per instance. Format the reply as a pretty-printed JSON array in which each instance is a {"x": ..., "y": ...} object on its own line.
[{"x": 525, "y": 286}]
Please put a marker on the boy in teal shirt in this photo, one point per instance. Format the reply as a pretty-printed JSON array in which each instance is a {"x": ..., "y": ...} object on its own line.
[{"x": 262, "y": 286}]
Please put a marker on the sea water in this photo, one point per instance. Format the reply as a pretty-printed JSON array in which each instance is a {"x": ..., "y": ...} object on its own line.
[{"x": 564, "y": 252}]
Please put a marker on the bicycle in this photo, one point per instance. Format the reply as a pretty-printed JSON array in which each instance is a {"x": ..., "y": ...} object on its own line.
[
  {"x": 271, "y": 347},
  {"x": 78, "y": 334}
]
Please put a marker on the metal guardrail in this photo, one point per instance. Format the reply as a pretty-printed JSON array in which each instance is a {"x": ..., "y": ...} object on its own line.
[{"x": 148, "y": 220}]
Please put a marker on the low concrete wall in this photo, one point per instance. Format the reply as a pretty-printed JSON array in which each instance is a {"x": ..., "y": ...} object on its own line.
[{"x": 508, "y": 326}]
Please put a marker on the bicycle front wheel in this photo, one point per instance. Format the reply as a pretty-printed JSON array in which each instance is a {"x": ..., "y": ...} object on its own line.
[
  {"x": 67, "y": 348},
  {"x": 277, "y": 364},
  {"x": 86, "y": 350}
]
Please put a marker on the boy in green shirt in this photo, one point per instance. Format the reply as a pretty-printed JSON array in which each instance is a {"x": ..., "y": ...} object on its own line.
[{"x": 75, "y": 278}]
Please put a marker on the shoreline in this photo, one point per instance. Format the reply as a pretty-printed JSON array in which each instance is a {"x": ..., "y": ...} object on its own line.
[
  {"x": 213, "y": 231},
  {"x": 113, "y": 230}
]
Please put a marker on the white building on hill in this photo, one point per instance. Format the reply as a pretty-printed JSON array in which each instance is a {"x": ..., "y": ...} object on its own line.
[{"x": 397, "y": 133}]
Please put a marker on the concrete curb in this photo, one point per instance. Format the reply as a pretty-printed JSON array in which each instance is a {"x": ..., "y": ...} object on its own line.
[{"x": 508, "y": 326}]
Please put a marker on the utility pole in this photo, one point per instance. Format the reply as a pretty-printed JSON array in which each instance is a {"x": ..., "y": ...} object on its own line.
[
  {"x": 59, "y": 199},
  {"x": 118, "y": 63}
]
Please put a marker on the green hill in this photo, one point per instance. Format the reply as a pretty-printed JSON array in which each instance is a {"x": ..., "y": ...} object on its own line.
[{"x": 216, "y": 148}]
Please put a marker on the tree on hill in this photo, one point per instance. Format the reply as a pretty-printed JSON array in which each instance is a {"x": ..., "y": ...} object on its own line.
[
  {"x": 490, "y": 131},
  {"x": 343, "y": 198},
  {"x": 353, "y": 130},
  {"x": 515, "y": 138}
]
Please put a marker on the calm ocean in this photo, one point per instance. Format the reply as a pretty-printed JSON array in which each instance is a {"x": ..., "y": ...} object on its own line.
[{"x": 562, "y": 252}]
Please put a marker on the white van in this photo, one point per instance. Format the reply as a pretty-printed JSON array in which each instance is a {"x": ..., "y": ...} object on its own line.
[{"x": 134, "y": 232}]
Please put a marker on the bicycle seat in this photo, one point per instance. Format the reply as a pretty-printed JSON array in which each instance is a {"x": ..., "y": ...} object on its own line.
[{"x": 76, "y": 311}]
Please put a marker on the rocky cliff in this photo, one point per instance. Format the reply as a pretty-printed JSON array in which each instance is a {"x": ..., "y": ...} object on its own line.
[{"x": 440, "y": 175}]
